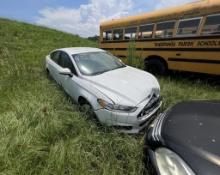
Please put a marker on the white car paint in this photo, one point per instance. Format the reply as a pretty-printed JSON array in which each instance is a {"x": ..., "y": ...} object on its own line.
[
  {"x": 128, "y": 86},
  {"x": 125, "y": 86}
]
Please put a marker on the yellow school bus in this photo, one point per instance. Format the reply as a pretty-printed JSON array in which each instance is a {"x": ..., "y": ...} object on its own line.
[{"x": 185, "y": 38}]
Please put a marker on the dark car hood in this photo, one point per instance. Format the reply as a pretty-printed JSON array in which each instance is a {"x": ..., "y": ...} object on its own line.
[{"x": 192, "y": 130}]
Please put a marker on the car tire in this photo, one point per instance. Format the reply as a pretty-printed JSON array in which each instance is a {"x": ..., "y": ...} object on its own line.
[
  {"x": 86, "y": 108},
  {"x": 156, "y": 67},
  {"x": 48, "y": 74}
]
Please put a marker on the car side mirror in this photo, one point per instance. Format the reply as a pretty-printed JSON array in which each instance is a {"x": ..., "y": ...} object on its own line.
[{"x": 66, "y": 71}]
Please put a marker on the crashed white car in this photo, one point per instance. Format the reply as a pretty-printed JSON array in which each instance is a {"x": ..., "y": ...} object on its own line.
[{"x": 118, "y": 95}]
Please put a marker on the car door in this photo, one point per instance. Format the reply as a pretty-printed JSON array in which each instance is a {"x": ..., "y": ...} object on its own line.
[
  {"x": 69, "y": 83},
  {"x": 53, "y": 65}
]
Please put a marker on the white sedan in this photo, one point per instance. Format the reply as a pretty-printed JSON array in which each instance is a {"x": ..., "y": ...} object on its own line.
[{"x": 119, "y": 95}]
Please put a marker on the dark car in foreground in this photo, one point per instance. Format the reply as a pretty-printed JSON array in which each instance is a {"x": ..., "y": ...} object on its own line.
[{"x": 185, "y": 140}]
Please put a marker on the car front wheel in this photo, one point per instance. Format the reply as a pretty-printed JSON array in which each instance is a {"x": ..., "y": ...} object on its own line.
[{"x": 87, "y": 109}]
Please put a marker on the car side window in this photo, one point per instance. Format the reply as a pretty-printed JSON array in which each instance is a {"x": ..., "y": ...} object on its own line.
[
  {"x": 66, "y": 62},
  {"x": 55, "y": 56}
]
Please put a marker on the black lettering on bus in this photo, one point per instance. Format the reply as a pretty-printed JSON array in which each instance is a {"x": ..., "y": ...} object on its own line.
[
  {"x": 185, "y": 44},
  {"x": 208, "y": 43},
  {"x": 165, "y": 44}
]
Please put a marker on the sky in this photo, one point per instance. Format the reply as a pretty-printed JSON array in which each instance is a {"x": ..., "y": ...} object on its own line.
[{"x": 81, "y": 17}]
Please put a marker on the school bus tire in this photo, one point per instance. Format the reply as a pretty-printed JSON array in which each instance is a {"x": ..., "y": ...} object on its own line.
[{"x": 156, "y": 66}]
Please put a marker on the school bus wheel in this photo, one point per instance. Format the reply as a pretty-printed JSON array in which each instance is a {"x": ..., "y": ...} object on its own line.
[{"x": 156, "y": 66}]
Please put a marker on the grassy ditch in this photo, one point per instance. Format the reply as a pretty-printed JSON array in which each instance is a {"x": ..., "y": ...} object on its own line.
[{"x": 42, "y": 132}]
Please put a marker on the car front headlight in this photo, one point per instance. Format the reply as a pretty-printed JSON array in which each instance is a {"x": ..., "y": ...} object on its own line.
[
  {"x": 115, "y": 107},
  {"x": 170, "y": 163}
]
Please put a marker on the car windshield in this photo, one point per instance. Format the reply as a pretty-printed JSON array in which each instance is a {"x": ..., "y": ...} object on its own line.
[{"x": 95, "y": 63}]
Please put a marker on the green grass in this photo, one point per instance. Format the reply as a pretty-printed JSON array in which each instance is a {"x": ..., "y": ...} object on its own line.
[{"x": 42, "y": 132}]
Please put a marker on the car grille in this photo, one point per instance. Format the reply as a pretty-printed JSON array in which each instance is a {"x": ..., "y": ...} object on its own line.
[{"x": 151, "y": 105}]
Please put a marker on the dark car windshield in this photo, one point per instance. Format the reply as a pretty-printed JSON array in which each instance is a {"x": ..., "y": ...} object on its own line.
[{"x": 94, "y": 63}]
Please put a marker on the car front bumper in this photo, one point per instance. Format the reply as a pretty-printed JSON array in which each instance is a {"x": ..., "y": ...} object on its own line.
[{"x": 128, "y": 122}]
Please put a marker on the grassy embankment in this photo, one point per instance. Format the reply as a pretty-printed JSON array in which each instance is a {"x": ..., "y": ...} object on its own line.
[{"x": 42, "y": 132}]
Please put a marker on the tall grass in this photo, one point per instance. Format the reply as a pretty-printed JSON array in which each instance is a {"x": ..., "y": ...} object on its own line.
[
  {"x": 134, "y": 59},
  {"x": 41, "y": 130}
]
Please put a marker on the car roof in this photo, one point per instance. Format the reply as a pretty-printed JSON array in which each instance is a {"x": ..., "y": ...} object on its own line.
[{"x": 77, "y": 50}]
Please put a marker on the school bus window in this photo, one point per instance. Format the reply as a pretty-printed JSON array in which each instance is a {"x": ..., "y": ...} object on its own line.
[
  {"x": 118, "y": 34},
  {"x": 107, "y": 35},
  {"x": 130, "y": 33},
  {"x": 146, "y": 31},
  {"x": 165, "y": 29},
  {"x": 189, "y": 26},
  {"x": 212, "y": 25}
]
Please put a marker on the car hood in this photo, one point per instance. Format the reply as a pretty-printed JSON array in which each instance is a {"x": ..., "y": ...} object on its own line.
[
  {"x": 192, "y": 130},
  {"x": 126, "y": 86}
]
